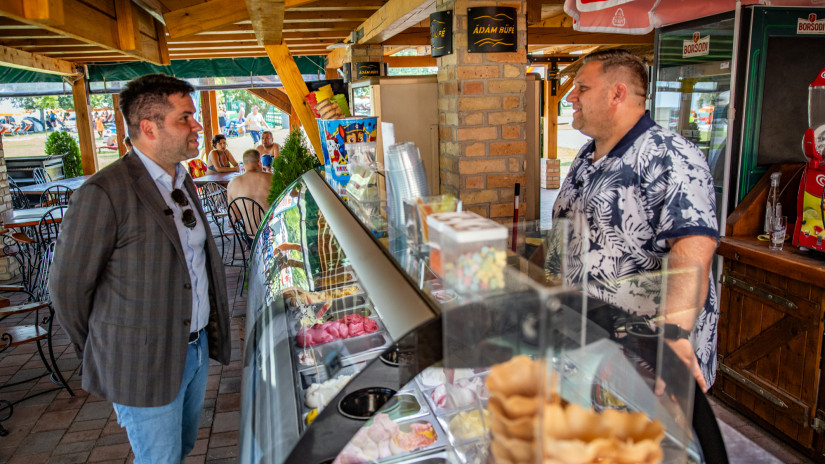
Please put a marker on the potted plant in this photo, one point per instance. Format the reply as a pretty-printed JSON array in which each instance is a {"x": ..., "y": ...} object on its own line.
[
  {"x": 294, "y": 160},
  {"x": 61, "y": 143}
]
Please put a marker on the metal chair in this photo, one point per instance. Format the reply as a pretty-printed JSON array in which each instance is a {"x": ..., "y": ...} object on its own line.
[
  {"x": 245, "y": 216},
  {"x": 56, "y": 195},
  {"x": 19, "y": 200},
  {"x": 213, "y": 199},
  {"x": 41, "y": 176}
]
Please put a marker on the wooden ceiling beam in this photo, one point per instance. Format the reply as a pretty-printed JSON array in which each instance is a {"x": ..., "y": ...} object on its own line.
[
  {"x": 410, "y": 61},
  {"x": 336, "y": 58},
  {"x": 393, "y": 18},
  {"x": 203, "y": 17},
  {"x": 152, "y": 7},
  {"x": 412, "y": 37},
  {"x": 325, "y": 5},
  {"x": 24, "y": 44},
  {"x": 275, "y": 97},
  {"x": 547, "y": 36},
  {"x": 88, "y": 24},
  {"x": 325, "y": 16},
  {"x": 14, "y": 58},
  {"x": 267, "y": 18}
]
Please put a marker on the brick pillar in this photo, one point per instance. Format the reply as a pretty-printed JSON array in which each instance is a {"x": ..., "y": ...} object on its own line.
[
  {"x": 8, "y": 266},
  {"x": 482, "y": 117},
  {"x": 364, "y": 53}
]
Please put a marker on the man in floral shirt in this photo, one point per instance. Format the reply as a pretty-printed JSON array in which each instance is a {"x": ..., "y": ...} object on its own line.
[{"x": 635, "y": 194}]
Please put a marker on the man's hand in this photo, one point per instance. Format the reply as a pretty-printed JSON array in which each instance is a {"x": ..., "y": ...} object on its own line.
[{"x": 684, "y": 350}]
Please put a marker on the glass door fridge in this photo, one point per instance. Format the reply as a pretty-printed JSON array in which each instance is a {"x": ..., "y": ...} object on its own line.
[{"x": 692, "y": 90}]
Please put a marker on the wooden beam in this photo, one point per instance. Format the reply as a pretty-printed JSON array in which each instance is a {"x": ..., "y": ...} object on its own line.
[
  {"x": 325, "y": 16},
  {"x": 410, "y": 61},
  {"x": 297, "y": 91},
  {"x": 44, "y": 11},
  {"x": 86, "y": 23},
  {"x": 128, "y": 27},
  {"x": 120, "y": 126},
  {"x": 294, "y": 123},
  {"x": 203, "y": 17},
  {"x": 208, "y": 119},
  {"x": 547, "y": 36},
  {"x": 152, "y": 7},
  {"x": 85, "y": 132},
  {"x": 14, "y": 58},
  {"x": 337, "y": 5},
  {"x": 267, "y": 18},
  {"x": 413, "y": 36},
  {"x": 275, "y": 97},
  {"x": 533, "y": 11},
  {"x": 393, "y": 18},
  {"x": 336, "y": 58}
]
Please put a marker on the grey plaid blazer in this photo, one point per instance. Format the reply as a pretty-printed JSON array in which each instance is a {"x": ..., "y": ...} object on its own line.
[{"x": 121, "y": 289}]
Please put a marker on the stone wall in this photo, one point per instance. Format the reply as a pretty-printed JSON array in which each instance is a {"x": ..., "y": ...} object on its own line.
[
  {"x": 481, "y": 103},
  {"x": 8, "y": 266}
]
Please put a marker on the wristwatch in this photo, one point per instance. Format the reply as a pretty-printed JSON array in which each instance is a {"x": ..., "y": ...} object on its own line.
[{"x": 674, "y": 332}]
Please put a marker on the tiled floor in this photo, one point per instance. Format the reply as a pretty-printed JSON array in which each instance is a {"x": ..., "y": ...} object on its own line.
[{"x": 57, "y": 428}]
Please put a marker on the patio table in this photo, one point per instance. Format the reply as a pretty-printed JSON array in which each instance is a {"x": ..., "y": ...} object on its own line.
[
  {"x": 221, "y": 178},
  {"x": 37, "y": 189},
  {"x": 26, "y": 217}
]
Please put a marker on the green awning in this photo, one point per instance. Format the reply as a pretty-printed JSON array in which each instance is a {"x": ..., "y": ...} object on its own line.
[{"x": 219, "y": 67}]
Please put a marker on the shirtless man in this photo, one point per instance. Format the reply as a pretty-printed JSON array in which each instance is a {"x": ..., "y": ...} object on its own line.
[
  {"x": 253, "y": 183},
  {"x": 268, "y": 149}
]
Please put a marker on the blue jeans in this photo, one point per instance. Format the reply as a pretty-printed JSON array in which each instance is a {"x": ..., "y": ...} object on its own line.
[
  {"x": 166, "y": 434},
  {"x": 256, "y": 135}
]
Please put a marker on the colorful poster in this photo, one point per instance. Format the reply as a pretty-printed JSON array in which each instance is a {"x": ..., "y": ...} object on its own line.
[{"x": 335, "y": 134}]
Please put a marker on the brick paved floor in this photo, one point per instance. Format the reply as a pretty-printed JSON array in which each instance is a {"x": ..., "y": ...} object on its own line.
[{"x": 58, "y": 428}]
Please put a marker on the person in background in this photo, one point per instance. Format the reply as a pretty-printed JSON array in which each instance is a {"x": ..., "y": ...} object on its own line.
[
  {"x": 255, "y": 124},
  {"x": 127, "y": 142},
  {"x": 222, "y": 119},
  {"x": 268, "y": 149},
  {"x": 220, "y": 159},
  {"x": 99, "y": 125},
  {"x": 253, "y": 183},
  {"x": 137, "y": 282},
  {"x": 640, "y": 193}
]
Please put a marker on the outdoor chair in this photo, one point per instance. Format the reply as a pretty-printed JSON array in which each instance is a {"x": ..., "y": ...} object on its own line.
[
  {"x": 56, "y": 195},
  {"x": 41, "y": 176},
  {"x": 19, "y": 200},
  {"x": 213, "y": 199},
  {"x": 245, "y": 216}
]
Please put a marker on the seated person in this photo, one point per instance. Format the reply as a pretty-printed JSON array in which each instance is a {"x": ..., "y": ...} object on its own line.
[
  {"x": 220, "y": 159},
  {"x": 268, "y": 149},
  {"x": 253, "y": 183}
]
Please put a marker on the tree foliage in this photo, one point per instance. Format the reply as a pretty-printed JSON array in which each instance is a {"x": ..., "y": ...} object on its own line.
[
  {"x": 63, "y": 144},
  {"x": 294, "y": 160},
  {"x": 51, "y": 102}
]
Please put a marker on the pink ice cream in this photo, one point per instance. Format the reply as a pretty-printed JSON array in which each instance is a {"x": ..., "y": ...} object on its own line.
[{"x": 348, "y": 326}]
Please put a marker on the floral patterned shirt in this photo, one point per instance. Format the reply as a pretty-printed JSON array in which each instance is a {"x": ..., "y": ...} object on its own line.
[{"x": 652, "y": 187}]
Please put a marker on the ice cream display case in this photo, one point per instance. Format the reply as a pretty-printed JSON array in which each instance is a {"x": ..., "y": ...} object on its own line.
[{"x": 350, "y": 357}]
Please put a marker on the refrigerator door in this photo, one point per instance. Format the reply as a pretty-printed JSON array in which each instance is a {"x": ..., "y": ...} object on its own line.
[{"x": 692, "y": 89}]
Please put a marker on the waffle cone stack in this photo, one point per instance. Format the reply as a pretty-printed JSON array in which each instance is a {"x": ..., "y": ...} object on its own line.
[{"x": 570, "y": 434}]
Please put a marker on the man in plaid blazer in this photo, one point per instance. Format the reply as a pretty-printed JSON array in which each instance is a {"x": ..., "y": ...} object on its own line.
[{"x": 137, "y": 281}]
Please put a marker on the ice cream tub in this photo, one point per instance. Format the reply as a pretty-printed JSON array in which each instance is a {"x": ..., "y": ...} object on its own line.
[
  {"x": 410, "y": 404},
  {"x": 466, "y": 426},
  {"x": 464, "y": 392},
  {"x": 349, "y": 326},
  {"x": 316, "y": 376},
  {"x": 349, "y": 350},
  {"x": 307, "y": 321},
  {"x": 406, "y": 438},
  {"x": 335, "y": 280},
  {"x": 305, "y": 297}
]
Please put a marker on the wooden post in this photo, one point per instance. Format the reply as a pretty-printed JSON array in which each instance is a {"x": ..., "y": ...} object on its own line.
[
  {"x": 207, "y": 122},
  {"x": 293, "y": 120},
  {"x": 297, "y": 91},
  {"x": 551, "y": 118},
  {"x": 120, "y": 126},
  {"x": 85, "y": 132}
]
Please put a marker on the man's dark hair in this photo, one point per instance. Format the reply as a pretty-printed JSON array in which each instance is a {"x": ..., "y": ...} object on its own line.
[
  {"x": 217, "y": 138},
  {"x": 619, "y": 58},
  {"x": 147, "y": 97}
]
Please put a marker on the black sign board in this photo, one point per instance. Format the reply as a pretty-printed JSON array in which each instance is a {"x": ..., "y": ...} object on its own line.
[
  {"x": 367, "y": 69},
  {"x": 441, "y": 33},
  {"x": 491, "y": 29}
]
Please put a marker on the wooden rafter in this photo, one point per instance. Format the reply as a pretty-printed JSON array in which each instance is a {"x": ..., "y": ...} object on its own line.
[
  {"x": 393, "y": 18},
  {"x": 267, "y": 18},
  {"x": 275, "y": 97},
  {"x": 410, "y": 61},
  {"x": 411, "y": 37},
  {"x": 203, "y": 17},
  {"x": 89, "y": 24},
  {"x": 14, "y": 58},
  {"x": 547, "y": 36}
]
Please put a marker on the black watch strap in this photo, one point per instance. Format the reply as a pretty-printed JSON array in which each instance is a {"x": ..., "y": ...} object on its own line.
[{"x": 674, "y": 332}]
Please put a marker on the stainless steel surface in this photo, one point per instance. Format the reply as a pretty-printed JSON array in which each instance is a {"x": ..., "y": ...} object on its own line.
[{"x": 397, "y": 301}]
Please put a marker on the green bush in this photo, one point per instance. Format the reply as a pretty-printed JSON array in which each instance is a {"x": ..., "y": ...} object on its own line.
[
  {"x": 63, "y": 144},
  {"x": 293, "y": 161}
]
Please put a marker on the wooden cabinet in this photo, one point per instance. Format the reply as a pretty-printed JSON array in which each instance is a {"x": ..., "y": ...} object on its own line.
[{"x": 770, "y": 344}]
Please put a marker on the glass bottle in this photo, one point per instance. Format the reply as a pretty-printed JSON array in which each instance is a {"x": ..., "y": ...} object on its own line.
[{"x": 773, "y": 200}]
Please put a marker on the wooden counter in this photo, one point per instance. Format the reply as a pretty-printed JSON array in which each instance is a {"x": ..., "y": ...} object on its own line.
[{"x": 770, "y": 344}]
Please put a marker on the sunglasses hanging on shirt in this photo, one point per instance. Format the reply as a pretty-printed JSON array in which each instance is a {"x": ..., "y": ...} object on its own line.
[{"x": 187, "y": 215}]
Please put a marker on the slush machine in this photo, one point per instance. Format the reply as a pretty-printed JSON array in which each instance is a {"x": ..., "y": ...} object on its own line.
[{"x": 809, "y": 231}]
